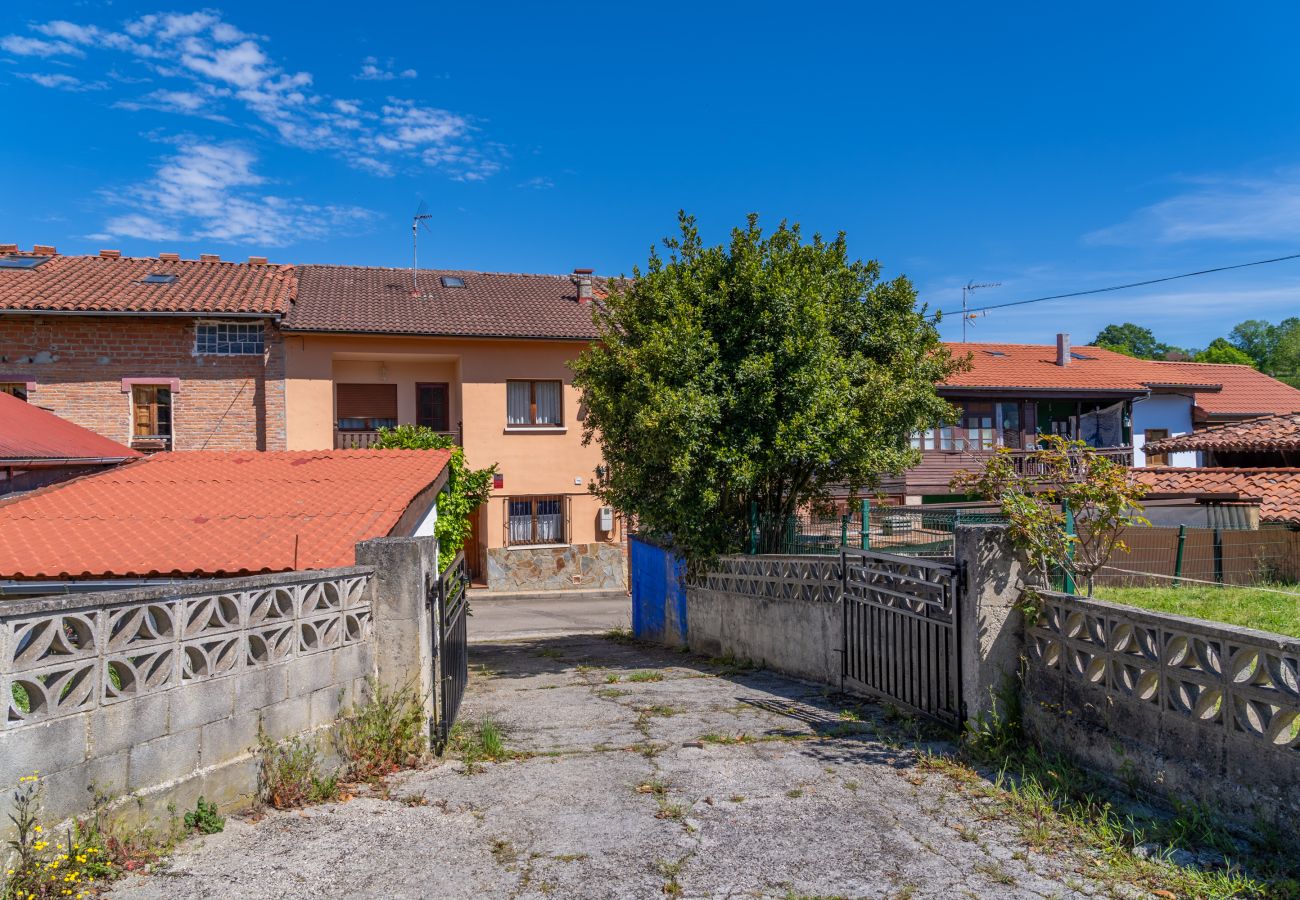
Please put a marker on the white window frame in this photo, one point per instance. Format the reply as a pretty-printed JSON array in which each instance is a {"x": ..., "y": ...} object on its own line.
[{"x": 230, "y": 327}]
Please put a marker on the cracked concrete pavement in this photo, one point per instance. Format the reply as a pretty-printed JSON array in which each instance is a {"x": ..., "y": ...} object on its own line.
[{"x": 643, "y": 773}]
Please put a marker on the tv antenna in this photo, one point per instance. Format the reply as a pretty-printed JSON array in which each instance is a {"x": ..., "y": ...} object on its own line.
[
  {"x": 418, "y": 221},
  {"x": 970, "y": 288}
]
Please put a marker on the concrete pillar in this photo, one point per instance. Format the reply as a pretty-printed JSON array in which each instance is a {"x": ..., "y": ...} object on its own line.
[
  {"x": 991, "y": 624},
  {"x": 405, "y": 569}
]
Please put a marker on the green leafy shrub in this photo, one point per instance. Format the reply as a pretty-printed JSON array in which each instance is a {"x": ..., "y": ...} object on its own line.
[
  {"x": 204, "y": 818},
  {"x": 467, "y": 489}
]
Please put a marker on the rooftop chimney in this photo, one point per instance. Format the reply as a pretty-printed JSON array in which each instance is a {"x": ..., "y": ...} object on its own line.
[
  {"x": 111, "y": 254},
  {"x": 44, "y": 250},
  {"x": 1063, "y": 348},
  {"x": 170, "y": 257},
  {"x": 8, "y": 248},
  {"x": 582, "y": 278},
  {"x": 209, "y": 257},
  {"x": 257, "y": 260}
]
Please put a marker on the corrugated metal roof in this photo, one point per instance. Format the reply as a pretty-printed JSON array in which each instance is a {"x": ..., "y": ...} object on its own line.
[{"x": 202, "y": 512}]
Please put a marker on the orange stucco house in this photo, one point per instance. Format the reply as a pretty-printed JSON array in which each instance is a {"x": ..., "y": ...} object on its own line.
[{"x": 484, "y": 357}]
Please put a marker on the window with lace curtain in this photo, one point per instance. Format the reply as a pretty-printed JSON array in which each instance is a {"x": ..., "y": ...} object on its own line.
[
  {"x": 535, "y": 520},
  {"x": 534, "y": 403}
]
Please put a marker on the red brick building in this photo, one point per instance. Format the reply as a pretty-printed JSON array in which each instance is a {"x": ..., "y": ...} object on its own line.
[{"x": 157, "y": 353}]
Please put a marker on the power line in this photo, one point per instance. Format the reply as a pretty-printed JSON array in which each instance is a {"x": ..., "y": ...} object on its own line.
[{"x": 1121, "y": 287}]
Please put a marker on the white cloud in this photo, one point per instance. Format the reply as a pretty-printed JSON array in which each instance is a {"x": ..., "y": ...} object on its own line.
[
  {"x": 373, "y": 70},
  {"x": 26, "y": 46},
  {"x": 213, "y": 191},
  {"x": 62, "y": 82},
  {"x": 538, "y": 183},
  {"x": 206, "y": 67},
  {"x": 1216, "y": 208}
]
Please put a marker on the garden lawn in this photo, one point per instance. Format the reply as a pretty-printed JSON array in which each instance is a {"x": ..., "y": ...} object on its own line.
[{"x": 1247, "y": 606}]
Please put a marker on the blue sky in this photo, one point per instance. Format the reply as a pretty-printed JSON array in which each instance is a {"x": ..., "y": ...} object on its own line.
[{"x": 1047, "y": 147}]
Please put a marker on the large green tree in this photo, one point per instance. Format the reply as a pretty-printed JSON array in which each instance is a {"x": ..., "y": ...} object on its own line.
[
  {"x": 1274, "y": 348},
  {"x": 1132, "y": 340},
  {"x": 1221, "y": 351},
  {"x": 754, "y": 375}
]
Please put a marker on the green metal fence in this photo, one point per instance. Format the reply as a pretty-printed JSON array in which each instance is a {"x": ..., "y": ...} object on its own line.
[{"x": 906, "y": 530}]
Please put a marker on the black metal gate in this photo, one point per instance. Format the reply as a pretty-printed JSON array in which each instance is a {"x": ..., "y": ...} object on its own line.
[
  {"x": 450, "y": 610},
  {"x": 901, "y": 638}
]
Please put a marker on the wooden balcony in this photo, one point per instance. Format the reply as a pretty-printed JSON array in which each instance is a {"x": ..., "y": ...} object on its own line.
[
  {"x": 364, "y": 440},
  {"x": 937, "y": 468}
]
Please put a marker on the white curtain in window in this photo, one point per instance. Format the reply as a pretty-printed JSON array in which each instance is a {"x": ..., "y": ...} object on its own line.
[
  {"x": 518, "y": 402},
  {"x": 550, "y": 521},
  {"x": 521, "y": 522},
  {"x": 548, "y": 402}
]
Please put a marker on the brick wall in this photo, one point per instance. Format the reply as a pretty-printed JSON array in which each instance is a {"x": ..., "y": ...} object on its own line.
[{"x": 78, "y": 363}]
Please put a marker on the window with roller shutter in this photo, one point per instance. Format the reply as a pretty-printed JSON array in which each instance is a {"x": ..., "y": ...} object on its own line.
[{"x": 366, "y": 407}]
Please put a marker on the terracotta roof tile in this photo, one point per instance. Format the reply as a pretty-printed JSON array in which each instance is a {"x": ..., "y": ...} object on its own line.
[
  {"x": 377, "y": 300},
  {"x": 1033, "y": 366},
  {"x": 1265, "y": 433},
  {"x": 1246, "y": 391},
  {"x": 1224, "y": 390},
  {"x": 29, "y": 432},
  {"x": 109, "y": 284},
  {"x": 213, "y": 513},
  {"x": 1278, "y": 490}
]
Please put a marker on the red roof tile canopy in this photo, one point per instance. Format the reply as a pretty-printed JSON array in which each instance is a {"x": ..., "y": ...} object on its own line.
[
  {"x": 1034, "y": 367},
  {"x": 201, "y": 512},
  {"x": 384, "y": 301},
  {"x": 30, "y": 433},
  {"x": 1262, "y": 434},
  {"x": 1278, "y": 490},
  {"x": 1219, "y": 389},
  {"x": 1246, "y": 391},
  {"x": 114, "y": 284}
]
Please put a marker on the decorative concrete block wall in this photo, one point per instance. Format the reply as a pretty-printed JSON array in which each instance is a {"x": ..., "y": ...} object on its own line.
[
  {"x": 782, "y": 612},
  {"x": 571, "y": 567},
  {"x": 157, "y": 695},
  {"x": 1194, "y": 710}
]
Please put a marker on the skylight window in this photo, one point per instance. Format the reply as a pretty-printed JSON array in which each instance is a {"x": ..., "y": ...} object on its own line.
[
  {"x": 158, "y": 278},
  {"x": 1074, "y": 355},
  {"x": 995, "y": 353},
  {"x": 22, "y": 262},
  {"x": 452, "y": 281}
]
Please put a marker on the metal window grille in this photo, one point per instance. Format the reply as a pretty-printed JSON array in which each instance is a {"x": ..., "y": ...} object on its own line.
[
  {"x": 229, "y": 339},
  {"x": 536, "y": 520}
]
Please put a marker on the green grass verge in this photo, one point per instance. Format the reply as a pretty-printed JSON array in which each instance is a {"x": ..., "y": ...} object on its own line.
[{"x": 1246, "y": 606}]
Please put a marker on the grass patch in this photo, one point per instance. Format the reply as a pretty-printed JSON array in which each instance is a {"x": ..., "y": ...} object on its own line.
[
  {"x": 1058, "y": 807},
  {"x": 620, "y": 635},
  {"x": 550, "y": 653},
  {"x": 1243, "y": 606},
  {"x": 611, "y": 693},
  {"x": 724, "y": 739},
  {"x": 484, "y": 741},
  {"x": 645, "y": 676}
]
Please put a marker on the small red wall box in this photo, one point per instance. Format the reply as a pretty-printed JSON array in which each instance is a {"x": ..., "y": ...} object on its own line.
[{"x": 498, "y": 481}]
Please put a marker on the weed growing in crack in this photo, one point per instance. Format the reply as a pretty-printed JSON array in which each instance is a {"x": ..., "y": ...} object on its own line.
[
  {"x": 503, "y": 851},
  {"x": 204, "y": 818},
  {"x": 620, "y": 635},
  {"x": 794, "y": 793},
  {"x": 550, "y": 653},
  {"x": 611, "y": 693},
  {"x": 385, "y": 733},
  {"x": 482, "y": 742},
  {"x": 645, "y": 676},
  {"x": 656, "y": 786},
  {"x": 289, "y": 773}
]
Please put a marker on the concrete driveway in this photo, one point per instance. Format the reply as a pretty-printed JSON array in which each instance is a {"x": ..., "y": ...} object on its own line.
[{"x": 640, "y": 773}]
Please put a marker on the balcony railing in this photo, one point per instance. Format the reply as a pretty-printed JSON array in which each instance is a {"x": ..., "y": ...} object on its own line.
[
  {"x": 1027, "y": 464},
  {"x": 364, "y": 440}
]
